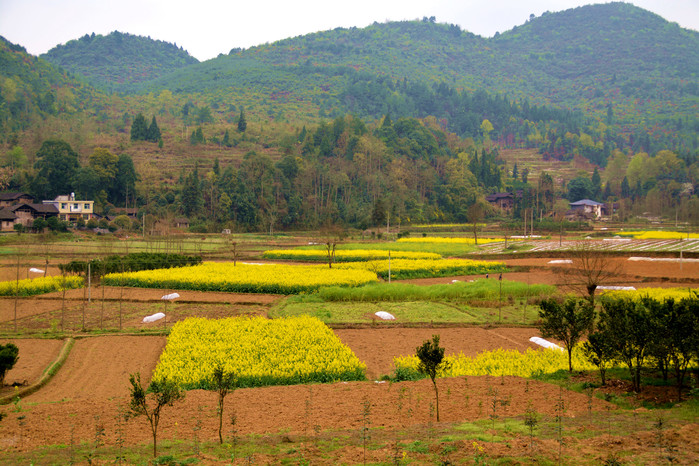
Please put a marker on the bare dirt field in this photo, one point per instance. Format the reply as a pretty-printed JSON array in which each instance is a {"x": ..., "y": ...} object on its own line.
[
  {"x": 92, "y": 387},
  {"x": 122, "y": 309},
  {"x": 378, "y": 347}
]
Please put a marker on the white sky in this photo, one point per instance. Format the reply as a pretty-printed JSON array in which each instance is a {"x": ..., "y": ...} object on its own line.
[{"x": 206, "y": 28}]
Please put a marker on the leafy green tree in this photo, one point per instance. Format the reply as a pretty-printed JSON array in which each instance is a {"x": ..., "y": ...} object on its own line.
[
  {"x": 600, "y": 352},
  {"x": 39, "y": 224},
  {"x": 626, "y": 324},
  {"x": 192, "y": 200},
  {"x": 580, "y": 188},
  {"x": 15, "y": 158},
  {"x": 378, "y": 213},
  {"x": 124, "y": 185},
  {"x": 9, "y": 355},
  {"x": 55, "y": 166},
  {"x": 86, "y": 183},
  {"x": 222, "y": 383},
  {"x": 150, "y": 402},
  {"x": 431, "y": 361},
  {"x": 568, "y": 321},
  {"x": 105, "y": 166},
  {"x": 204, "y": 115}
]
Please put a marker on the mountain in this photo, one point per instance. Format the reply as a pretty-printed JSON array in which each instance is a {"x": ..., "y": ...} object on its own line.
[
  {"x": 115, "y": 61},
  {"x": 586, "y": 58},
  {"x": 33, "y": 89}
]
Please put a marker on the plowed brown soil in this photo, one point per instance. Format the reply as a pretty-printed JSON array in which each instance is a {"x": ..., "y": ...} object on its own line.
[{"x": 94, "y": 382}]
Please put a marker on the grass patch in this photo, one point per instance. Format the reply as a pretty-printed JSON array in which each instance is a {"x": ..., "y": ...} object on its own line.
[
  {"x": 454, "y": 292},
  {"x": 353, "y": 312}
]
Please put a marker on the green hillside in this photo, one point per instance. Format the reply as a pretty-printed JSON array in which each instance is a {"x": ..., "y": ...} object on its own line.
[
  {"x": 412, "y": 121},
  {"x": 31, "y": 90},
  {"x": 118, "y": 60}
]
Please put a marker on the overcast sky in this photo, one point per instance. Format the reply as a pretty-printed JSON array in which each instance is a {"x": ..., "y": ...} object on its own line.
[{"x": 206, "y": 28}]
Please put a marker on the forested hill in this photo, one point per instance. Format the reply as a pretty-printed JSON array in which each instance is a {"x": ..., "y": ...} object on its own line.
[
  {"x": 32, "y": 89},
  {"x": 117, "y": 60},
  {"x": 551, "y": 57}
]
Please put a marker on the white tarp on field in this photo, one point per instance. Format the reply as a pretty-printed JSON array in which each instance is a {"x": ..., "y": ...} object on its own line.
[
  {"x": 662, "y": 259},
  {"x": 153, "y": 318},
  {"x": 171, "y": 296},
  {"x": 384, "y": 315},
  {"x": 561, "y": 261},
  {"x": 545, "y": 343},
  {"x": 35, "y": 270},
  {"x": 616, "y": 288}
]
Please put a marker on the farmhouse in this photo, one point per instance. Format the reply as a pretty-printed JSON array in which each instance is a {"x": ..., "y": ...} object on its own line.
[
  {"x": 7, "y": 219},
  {"x": 26, "y": 213},
  {"x": 13, "y": 198},
  {"x": 504, "y": 201},
  {"x": 69, "y": 209},
  {"x": 587, "y": 206}
]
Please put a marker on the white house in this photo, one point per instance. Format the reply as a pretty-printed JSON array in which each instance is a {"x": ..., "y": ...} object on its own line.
[{"x": 588, "y": 207}]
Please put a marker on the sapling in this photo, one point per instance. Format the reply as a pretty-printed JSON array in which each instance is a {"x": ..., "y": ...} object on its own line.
[
  {"x": 222, "y": 383},
  {"x": 162, "y": 393},
  {"x": 531, "y": 419},
  {"x": 431, "y": 357}
]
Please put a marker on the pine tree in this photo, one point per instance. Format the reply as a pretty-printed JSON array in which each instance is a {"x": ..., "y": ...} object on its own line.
[
  {"x": 596, "y": 180},
  {"x": 242, "y": 124},
  {"x": 139, "y": 128},
  {"x": 153, "y": 131}
]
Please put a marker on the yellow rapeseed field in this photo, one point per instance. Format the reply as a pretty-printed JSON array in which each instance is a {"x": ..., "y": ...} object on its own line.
[
  {"x": 34, "y": 286},
  {"x": 259, "y": 351},
  {"x": 346, "y": 255},
  {"x": 504, "y": 362},
  {"x": 243, "y": 278},
  {"x": 438, "y": 239},
  {"x": 658, "y": 294},
  {"x": 649, "y": 234}
]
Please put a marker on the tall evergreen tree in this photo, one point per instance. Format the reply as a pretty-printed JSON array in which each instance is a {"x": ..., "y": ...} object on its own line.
[
  {"x": 242, "y": 123},
  {"x": 139, "y": 128},
  {"x": 153, "y": 131}
]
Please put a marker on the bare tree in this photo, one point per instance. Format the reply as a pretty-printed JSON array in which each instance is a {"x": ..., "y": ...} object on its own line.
[
  {"x": 331, "y": 236},
  {"x": 590, "y": 268}
]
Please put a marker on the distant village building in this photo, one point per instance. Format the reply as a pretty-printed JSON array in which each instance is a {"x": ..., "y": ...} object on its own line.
[
  {"x": 9, "y": 199},
  {"x": 70, "y": 209},
  {"x": 587, "y": 207},
  {"x": 27, "y": 213},
  {"x": 503, "y": 201}
]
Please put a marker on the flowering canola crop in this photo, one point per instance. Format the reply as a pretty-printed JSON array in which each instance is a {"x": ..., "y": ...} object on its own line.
[
  {"x": 34, "y": 286},
  {"x": 437, "y": 239},
  {"x": 403, "y": 269},
  {"x": 243, "y": 278},
  {"x": 659, "y": 294},
  {"x": 504, "y": 362},
  {"x": 649, "y": 234},
  {"x": 259, "y": 351},
  {"x": 346, "y": 255}
]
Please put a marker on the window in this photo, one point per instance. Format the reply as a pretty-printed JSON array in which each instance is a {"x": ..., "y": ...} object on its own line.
[
  {"x": 76, "y": 206},
  {"x": 87, "y": 206},
  {"x": 64, "y": 205}
]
